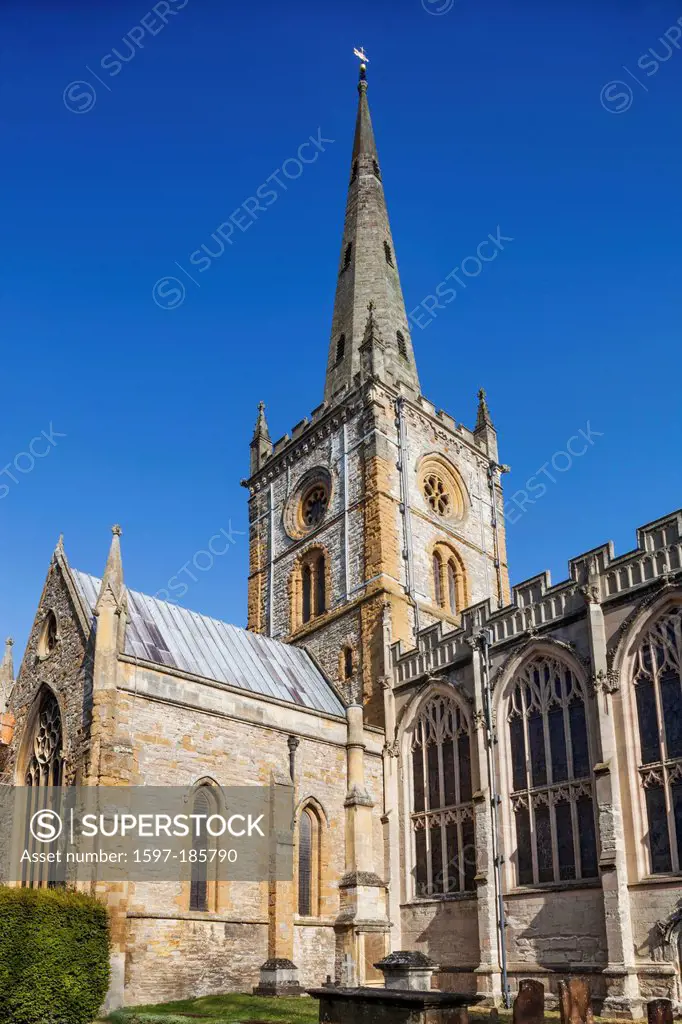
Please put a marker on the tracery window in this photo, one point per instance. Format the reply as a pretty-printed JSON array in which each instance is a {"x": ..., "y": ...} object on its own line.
[
  {"x": 658, "y": 693},
  {"x": 551, "y": 775},
  {"x": 44, "y": 771},
  {"x": 45, "y": 765},
  {"x": 442, "y": 817}
]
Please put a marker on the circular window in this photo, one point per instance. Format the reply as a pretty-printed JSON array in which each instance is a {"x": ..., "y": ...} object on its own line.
[
  {"x": 443, "y": 488},
  {"x": 308, "y": 504},
  {"x": 314, "y": 505},
  {"x": 436, "y": 494},
  {"x": 48, "y": 635}
]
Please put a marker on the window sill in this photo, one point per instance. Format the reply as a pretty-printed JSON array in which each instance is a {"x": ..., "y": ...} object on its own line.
[
  {"x": 669, "y": 878},
  {"x": 451, "y": 897},
  {"x": 543, "y": 887},
  {"x": 313, "y": 922}
]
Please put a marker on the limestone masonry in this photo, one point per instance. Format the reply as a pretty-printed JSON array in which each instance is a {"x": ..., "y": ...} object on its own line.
[{"x": 491, "y": 777}]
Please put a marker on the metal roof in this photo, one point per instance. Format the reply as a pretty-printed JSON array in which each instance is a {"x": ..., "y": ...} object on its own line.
[{"x": 167, "y": 634}]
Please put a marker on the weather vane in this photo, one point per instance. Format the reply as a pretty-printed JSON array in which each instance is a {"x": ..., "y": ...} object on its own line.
[{"x": 361, "y": 54}]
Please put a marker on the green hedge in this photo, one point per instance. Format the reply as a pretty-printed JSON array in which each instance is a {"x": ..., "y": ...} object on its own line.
[{"x": 54, "y": 956}]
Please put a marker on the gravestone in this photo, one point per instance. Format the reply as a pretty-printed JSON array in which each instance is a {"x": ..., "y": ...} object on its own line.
[
  {"x": 659, "y": 1011},
  {"x": 575, "y": 1002},
  {"x": 529, "y": 1005}
]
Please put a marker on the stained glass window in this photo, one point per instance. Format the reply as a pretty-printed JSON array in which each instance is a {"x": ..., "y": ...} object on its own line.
[
  {"x": 551, "y": 775},
  {"x": 442, "y": 810},
  {"x": 305, "y": 863},
  {"x": 198, "y": 890},
  {"x": 658, "y": 694}
]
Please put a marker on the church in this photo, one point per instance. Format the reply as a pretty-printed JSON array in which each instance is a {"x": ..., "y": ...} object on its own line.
[{"x": 490, "y": 775}]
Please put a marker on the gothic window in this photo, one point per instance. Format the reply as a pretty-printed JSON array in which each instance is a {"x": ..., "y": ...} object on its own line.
[
  {"x": 310, "y": 587},
  {"x": 347, "y": 662},
  {"x": 438, "y": 578},
  {"x": 320, "y": 601},
  {"x": 43, "y": 772},
  {"x": 452, "y": 586},
  {"x": 309, "y": 849},
  {"x": 402, "y": 345},
  {"x": 442, "y": 487},
  {"x": 551, "y": 775},
  {"x": 45, "y": 766},
  {"x": 340, "y": 348},
  {"x": 389, "y": 257},
  {"x": 48, "y": 635},
  {"x": 658, "y": 693},
  {"x": 442, "y": 818},
  {"x": 347, "y": 255},
  {"x": 449, "y": 581},
  {"x": 198, "y": 890},
  {"x": 307, "y": 593}
]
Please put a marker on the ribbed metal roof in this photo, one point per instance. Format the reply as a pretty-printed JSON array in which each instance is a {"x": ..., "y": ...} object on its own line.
[{"x": 179, "y": 638}]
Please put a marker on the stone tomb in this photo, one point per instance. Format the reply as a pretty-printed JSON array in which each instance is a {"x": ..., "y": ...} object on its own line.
[{"x": 406, "y": 999}]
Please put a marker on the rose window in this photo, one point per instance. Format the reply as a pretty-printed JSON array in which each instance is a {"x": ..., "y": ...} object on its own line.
[
  {"x": 314, "y": 505},
  {"x": 437, "y": 494}
]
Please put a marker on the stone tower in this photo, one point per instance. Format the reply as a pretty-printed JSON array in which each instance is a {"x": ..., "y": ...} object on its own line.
[{"x": 378, "y": 515}]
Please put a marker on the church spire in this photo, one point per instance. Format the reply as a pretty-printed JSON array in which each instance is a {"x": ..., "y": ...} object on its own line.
[
  {"x": 112, "y": 588},
  {"x": 368, "y": 272}
]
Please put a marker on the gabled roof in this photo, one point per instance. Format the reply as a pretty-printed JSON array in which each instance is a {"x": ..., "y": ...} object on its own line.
[{"x": 169, "y": 635}]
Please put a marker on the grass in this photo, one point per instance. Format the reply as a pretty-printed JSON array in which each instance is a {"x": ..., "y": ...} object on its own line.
[
  {"x": 227, "y": 1009},
  {"x": 242, "y": 1009}
]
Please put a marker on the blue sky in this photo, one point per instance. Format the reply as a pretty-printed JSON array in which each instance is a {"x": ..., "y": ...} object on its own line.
[{"x": 553, "y": 124}]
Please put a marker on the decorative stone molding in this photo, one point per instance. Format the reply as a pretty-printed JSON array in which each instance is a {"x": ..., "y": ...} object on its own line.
[{"x": 605, "y": 682}]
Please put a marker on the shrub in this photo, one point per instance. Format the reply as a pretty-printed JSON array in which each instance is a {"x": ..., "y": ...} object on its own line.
[{"x": 54, "y": 956}]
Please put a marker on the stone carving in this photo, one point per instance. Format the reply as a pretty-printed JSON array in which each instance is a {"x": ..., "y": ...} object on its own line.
[
  {"x": 605, "y": 682},
  {"x": 575, "y": 1002},
  {"x": 529, "y": 1005}
]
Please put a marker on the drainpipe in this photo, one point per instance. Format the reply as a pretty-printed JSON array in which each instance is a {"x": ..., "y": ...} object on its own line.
[
  {"x": 405, "y": 509},
  {"x": 271, "y": 571},
  {"x": 484, "y": 640},
  {"x": 346, "y": 581}
]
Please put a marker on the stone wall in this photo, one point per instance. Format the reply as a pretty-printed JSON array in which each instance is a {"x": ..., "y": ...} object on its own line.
[
  {"x": 180, "y": 958},
  {"x": 67, "y": 671}
]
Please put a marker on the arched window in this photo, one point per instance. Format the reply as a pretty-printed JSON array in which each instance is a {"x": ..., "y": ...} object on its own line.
[
  {"x": 347, "y": 662},
  {"x": 308, "y": 873},
  {"x": 551, "y": 774},
  {"x": 48, "y": 635},
  {"x": 658, "y": 692},
  {"x": 198, "y": 889},
  {"x": 44, "y": 771},
  {"x": 452, "y": 586},
  {"x": 340, "y": 347},
  {"x": 45, "y": 766},
  {"x": 309, "y": 592},
  {"x": 438, "y": 579},
  {"x": 305, "y": 863},
  {"x": 320, "y": 598},
  {"x": 442, "y": 817},
  {"x": 402, "y": 345},
  {"x": 449, "y": 580}
]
